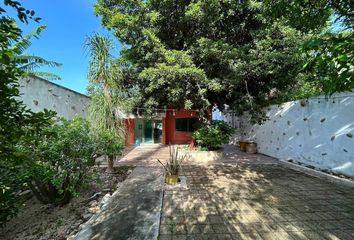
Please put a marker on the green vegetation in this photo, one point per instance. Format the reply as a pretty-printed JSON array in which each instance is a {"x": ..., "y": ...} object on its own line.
[
  {"x": 57, "y": 159},
  {"x": 213, "y": 135},
  {"x": 189, "y": 54},
  {"x": 31, "y": 63},
  {"x": 246, "y": 54},
  {"x": 36, "y": 152},
  {"x": 109, "y": 144},
  {"x": 173, "y": 164},
  {"x": 328, "y": 53},
  {"x": 194, "y": 54},
  {"x": 107, "y": 99},
  {"x": 15, "y": 120}
]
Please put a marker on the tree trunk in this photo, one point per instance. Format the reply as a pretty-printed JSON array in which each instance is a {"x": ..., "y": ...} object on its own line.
[{"x": 110, "y": 160}]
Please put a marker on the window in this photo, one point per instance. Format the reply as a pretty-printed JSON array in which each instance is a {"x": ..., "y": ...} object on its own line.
[{"x": 186, "y": 124}]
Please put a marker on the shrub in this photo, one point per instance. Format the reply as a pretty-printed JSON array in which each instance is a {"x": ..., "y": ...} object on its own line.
[
  {"x": 108, "y": 143},
  {"x": 212, "y": 136},
  {"x": 58, "y": 159}
]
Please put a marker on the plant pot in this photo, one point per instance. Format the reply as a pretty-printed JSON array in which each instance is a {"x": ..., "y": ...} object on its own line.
[
  {"x": 251, "y": 147},
  {"x": 243, "y": 144},
  {"x": 171, "y": 179}
]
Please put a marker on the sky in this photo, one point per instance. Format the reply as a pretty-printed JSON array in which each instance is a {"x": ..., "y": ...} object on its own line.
[{"x": 68, "y": 23}]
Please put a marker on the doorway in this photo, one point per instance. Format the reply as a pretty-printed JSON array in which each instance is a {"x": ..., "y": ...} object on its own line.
[{"x": 147, "y": 131}]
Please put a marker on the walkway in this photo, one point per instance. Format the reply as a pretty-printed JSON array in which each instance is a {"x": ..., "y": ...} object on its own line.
[{"x": 133, "y": 212}]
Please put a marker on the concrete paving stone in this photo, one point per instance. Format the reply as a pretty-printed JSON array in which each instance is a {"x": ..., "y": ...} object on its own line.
[
  {"x": 193, "y": 229},
  {"x": 350, "y": 233},
  {"x": 313, "y": 235},
  {"x": 224, "y": 237},
  {"x": 220, "y": 228},
  {"x": 165, "y": 237},
  {"x": 194, "y": 237},
  {"x": 179, "y": 229},
  {"x": 337, "y": 235},
  {"x": 261, "y": 227},
  {"x": 251, "y": 236},
  {"x": 321, "y": 225},
  {"x": 347, "y": 224},
  {"x": 166, "y": 229},
  {"x": 179, "y": 237},
  {"x": 297, "y": 235},
  {"x": 289, "y": 227},
  {"x": 271, "y": 236},
  {"x": 206, "y": 229},
  {"x": 215, "y": 219}
]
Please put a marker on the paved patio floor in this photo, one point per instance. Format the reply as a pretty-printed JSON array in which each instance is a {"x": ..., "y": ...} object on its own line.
[
  {"x": 256, "y": 201},
  {"x": 246, "y": 196},
  {"x": 148, "y": 155}
]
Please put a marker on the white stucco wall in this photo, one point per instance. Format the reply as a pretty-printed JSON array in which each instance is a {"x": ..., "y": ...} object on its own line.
[
  {"x": 320, "y": 134},
  {"x": 39, "y": 94}
]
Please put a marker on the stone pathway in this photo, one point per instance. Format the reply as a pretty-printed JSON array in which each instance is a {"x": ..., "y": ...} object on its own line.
[
  {"x": 256, "y": 201},
  {"x": 133, "y": 212}
]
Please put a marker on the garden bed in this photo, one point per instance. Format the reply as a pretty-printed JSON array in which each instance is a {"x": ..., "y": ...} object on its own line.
[{"x": 38, "y": 221}]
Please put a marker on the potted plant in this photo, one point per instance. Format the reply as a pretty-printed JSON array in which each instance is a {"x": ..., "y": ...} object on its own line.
[
  {"x": 243, "y": 142},
  {"x": 172, "y": 166}
]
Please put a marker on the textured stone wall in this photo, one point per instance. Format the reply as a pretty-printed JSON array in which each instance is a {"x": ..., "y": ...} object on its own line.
[
  {"x": 317, "y": 132},
  {"x": 39, "y": 94}
]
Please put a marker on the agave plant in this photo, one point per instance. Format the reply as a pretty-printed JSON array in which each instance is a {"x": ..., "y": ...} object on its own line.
[{"x": 174, "y": 162}]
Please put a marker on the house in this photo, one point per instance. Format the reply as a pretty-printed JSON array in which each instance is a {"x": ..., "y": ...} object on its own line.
[{"x": 172, "y": 126}]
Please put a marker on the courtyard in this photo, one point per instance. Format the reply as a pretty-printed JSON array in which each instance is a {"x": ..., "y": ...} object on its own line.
[
  {"x": 203, "y": 119},
  {"x": 247, "y": 196}
]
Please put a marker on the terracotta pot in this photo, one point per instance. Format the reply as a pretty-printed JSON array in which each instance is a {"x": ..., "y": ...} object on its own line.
[
  {"x": 243, "y": 144},
  {"x": 251, "y": 147},
  {"x": 171, "y": 179}
]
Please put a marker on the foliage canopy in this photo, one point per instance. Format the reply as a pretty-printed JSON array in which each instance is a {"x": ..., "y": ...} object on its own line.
[
  {"x": 212, "y": 136},
  {"x": 246, "y": 54},
  {"x": 195, "y": 54}
]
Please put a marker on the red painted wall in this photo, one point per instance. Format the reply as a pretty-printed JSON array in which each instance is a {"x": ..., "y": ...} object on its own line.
[
  {"x": 172, "y": 136},
  {"x": 164, "y": 134},
  {"x": 129, "y": 131},
  {"x": 169, "y": 135}
]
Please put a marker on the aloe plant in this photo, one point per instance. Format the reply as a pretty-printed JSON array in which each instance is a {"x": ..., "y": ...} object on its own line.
[{"x": 174, "y": 162}]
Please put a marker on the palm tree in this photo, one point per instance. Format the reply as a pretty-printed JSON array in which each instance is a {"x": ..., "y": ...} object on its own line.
[
  {"x": 30, "y": 63},
  {"x": 105, "y": 108},
  {"x": 101, "y": 62}
]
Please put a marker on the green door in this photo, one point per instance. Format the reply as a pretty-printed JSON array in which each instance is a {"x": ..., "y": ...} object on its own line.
[
  {"x": 138, "y": 131},
  {"x": 148, "y": 131}
]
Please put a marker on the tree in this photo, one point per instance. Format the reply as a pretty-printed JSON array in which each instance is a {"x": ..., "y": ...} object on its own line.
[
  {"x": 106, "y": 108},
  {"x": 195, "y": 54},
  {"x": 30, "y": 63},
  {"x": 14, "y": 116},
  {"x": 329, "y": 54}
]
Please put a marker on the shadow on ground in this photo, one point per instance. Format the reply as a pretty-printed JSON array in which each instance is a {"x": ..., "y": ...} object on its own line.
[{"x": 256, "y": 202}]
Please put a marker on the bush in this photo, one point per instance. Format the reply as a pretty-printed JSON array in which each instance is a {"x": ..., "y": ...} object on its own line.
[
  {"x": 212, "y": 136},
  {"x": 108, "y": 143},
  {"x": 58, "y": 159}
]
